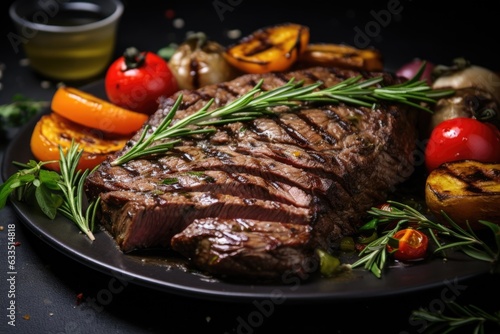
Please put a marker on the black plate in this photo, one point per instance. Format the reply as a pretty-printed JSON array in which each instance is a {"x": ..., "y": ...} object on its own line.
[{"x": 103, "y": 255}]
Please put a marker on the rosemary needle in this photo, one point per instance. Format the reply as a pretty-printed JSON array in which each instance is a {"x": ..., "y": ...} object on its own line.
[
  {"x": 71, "y": 184},
  {"x": 257, "y": 103}
]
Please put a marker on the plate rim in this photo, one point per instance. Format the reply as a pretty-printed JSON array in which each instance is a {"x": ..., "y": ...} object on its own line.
[{"x": 199, "y": 287}]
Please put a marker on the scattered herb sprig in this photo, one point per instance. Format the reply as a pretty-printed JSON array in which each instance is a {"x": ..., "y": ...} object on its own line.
[
  {"x": 374, "y": 255},
  {"x": 256, "y": 103},
  {"x": 460, "y": 317},
  {"x": 18, "y": 112},
  {"x": 52, "y": 191}
]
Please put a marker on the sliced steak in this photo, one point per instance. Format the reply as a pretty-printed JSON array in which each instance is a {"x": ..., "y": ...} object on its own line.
[
  {"x": 259, "y": 249},
  {"x": 217, "y": 181},
  {"x": 135, "y": 215},
  {"x": 316, "y": 169}
]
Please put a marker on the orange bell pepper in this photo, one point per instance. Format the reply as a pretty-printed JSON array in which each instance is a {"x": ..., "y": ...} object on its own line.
[
  {"x": 341, "y": 55},
  {"x": 91, "y": 111},
  {"x": 270, "y": 49},
  {"x": 53, "y": 131}
]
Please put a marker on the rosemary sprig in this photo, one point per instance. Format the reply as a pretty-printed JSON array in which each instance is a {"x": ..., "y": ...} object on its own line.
[
  {"x": 71, "y": 184},
  {"x": 374, "y": 255},
  {"x": 257, "y": 103},
  {"x": 461, "y": 317}
]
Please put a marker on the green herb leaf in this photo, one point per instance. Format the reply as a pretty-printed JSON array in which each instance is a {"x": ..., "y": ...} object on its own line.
[
  {"x": 47, "y": 200},
  {"x": 20, "y": 111},
  {"x": 170, "y": 180},
  {"x": 33, "y": 180},
  {"x": 168, "y": 51}
]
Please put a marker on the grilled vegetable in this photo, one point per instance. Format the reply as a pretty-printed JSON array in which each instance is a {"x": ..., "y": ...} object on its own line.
[
  {"x": 270, "y": 49},
  {"x": 53, "y": 131},
  {"x": 199, "y": 62},
  {"x": 463, "y": 74},
  {"x": 88, "y": 110},
  {"x": 340, "y": 55},
  {"x": 481, "y": 82},
  {"x": 469, "y": 102},
  {"x": 465, "y": 190}
]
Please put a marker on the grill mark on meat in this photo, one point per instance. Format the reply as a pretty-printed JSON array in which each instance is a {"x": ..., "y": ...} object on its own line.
[
  {"x": 315, "y": 162},
  {"x": 325, "y": 135},
  {"x": 281, "y": 76},
  {"x": 316, "y": 135},
  {"x": 223, "y": 158},
  {"x": 313, "y": 78},
  {"x": 324, "y": 127},
  {"x": 296, "y": 135},
  {"x": 325, "y": 165},
  {"x": 282, "y": 148}
]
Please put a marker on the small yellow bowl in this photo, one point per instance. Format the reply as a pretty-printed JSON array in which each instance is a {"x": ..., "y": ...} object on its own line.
[{"x": 70, "y": 40}]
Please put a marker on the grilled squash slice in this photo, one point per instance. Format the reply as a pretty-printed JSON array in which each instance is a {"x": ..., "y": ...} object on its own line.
[
  {"x": 466, "y": 191},
  {"x": 270, "y": 49},
  {"x": 341, "y": 55}
]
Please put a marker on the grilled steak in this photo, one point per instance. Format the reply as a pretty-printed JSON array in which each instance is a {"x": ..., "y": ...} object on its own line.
[
  {"x": 258, "y": 248},
  {"x": 256, "y": 199}
]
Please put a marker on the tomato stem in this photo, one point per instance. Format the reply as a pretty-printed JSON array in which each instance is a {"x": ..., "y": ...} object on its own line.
[{"x": 133, "y": 58}]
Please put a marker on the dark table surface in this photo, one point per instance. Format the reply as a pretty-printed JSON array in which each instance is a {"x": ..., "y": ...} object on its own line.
[{"x": 48, "y": 282}]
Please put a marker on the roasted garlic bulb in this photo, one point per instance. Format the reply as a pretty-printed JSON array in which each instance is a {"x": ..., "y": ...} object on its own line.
[{"x": 198, "y": 62}]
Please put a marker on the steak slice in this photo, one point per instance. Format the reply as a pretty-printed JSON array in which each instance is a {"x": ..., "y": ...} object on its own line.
[
  {"x": 156, "y": 218},
  {"x": 218, "y": 181},
  {"x": 260, "y": 249},
  {"x": 316, "y": 170}
]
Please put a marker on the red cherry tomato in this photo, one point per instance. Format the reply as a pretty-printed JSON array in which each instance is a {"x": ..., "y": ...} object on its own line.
[
  {"x": 460, "y": 139},
  {"x": 411, "y": 245},
  {"x": 137, "y": 79}
]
